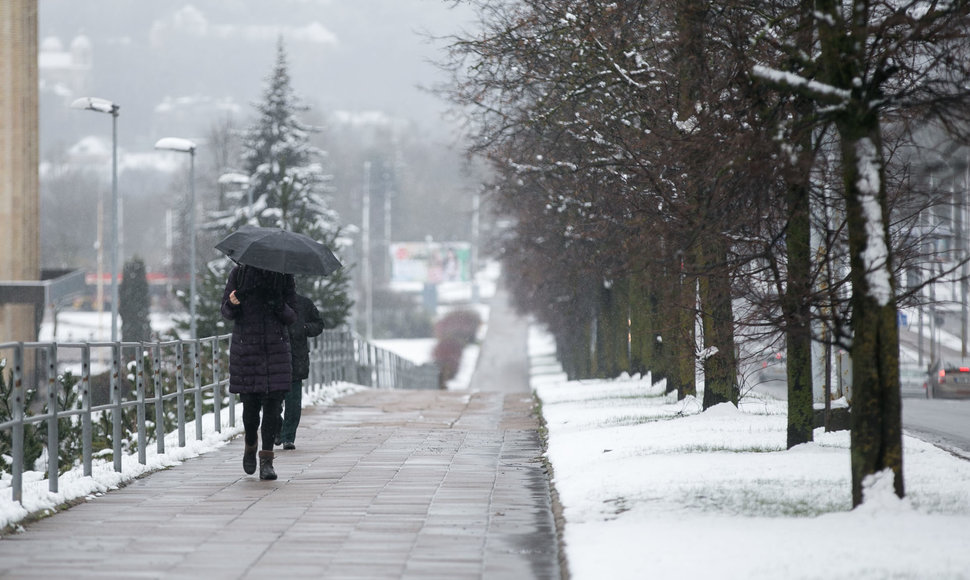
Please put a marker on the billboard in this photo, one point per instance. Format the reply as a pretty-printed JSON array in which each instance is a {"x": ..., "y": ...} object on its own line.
[{"x": 431, "y": 262}]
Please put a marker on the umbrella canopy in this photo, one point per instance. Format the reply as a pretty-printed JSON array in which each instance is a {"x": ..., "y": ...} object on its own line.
[{"x": 279, "y": 251}]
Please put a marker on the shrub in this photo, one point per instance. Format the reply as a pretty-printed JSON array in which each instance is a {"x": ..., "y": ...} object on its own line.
[
  {"x": 398, "y": 315},
  {"x": 460, "y": 325},
  {"x": 447, "y": 354},
  {"x": 454, "y": 332}
]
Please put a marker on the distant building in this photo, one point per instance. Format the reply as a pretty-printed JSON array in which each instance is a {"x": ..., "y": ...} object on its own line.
[
  {"x": 65, "y": 73},
  {"x": 187, "y": 114}
]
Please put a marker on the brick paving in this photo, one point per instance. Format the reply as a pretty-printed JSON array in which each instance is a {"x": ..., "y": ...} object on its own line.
[{"x": 385, "y": 484}]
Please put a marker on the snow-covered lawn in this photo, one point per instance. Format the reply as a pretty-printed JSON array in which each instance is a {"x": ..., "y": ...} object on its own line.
[{"x": 653, "y": 488}]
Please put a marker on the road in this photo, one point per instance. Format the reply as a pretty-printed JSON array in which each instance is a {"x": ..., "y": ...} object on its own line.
[{"x": 945, "y": 423}]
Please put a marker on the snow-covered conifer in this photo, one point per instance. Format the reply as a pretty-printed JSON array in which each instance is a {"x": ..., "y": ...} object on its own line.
[{"x": 289, "y": 187}]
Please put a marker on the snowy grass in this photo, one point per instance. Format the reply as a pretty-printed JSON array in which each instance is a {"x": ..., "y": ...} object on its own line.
[{"x": 652, "y": 487}]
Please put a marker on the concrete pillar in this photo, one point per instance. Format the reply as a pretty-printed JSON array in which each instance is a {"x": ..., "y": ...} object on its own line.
[{"x": 19, "y": 156}]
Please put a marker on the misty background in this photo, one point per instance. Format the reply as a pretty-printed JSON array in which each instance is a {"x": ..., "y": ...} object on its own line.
[{"x": 194, "y": 70}]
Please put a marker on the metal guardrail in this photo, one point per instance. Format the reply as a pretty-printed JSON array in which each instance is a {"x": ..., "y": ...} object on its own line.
[{"x": 139, "y": 389}]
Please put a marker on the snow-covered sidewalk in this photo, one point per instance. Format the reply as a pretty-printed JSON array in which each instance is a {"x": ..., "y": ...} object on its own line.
[{"x": 653, "y": 488}]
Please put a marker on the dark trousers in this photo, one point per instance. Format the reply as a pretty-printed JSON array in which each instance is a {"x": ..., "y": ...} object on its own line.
[
  {"x": 292, "y": 406},
  {"x": 269, "y": 405}
]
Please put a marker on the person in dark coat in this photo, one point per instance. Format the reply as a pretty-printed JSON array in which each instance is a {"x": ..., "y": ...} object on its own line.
[
  {"x": 308, "y": 324},
  {"x": 259, "y": 303}
]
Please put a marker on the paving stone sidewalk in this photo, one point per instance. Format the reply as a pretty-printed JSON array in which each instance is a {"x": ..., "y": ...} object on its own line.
[{"x": 385, "y": 484}]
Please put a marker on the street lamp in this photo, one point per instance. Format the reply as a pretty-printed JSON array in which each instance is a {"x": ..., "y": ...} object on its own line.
[
  {"x": 186, "y": 146},
  {"x": 106, "y": 106}
]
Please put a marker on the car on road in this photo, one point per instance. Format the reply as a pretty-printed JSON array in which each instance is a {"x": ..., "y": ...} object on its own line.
[
  {"x": 774, "y": 367},
  {"x": 949, "y": 379}
]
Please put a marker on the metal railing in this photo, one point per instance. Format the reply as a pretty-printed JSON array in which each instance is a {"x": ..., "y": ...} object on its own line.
[
  {"x": 340, "y": 355},
  {"x": 138, "y": 391}
]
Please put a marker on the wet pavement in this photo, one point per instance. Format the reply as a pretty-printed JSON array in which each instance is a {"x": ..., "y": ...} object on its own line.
[{"x": 385, "y": 484}]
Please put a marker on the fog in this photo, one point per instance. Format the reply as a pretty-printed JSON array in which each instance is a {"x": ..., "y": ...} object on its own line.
[
  {"x": 195, "y": 69},
  {"x": 167, "y": 63}
]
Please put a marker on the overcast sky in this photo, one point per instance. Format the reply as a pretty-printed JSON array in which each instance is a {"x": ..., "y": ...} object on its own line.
[{"x": 353, "y": 55}]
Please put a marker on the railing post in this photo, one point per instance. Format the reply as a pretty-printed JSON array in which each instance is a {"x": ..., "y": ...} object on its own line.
[
  {"x": 197, "y": 387},
  {"x": 17, "y": 471},
  {"x": 364, "y": 349},
  {"x": 231, "y": 399},
  {"x": 216, "y": 384},
  {"x": 348, "y": 351},
  {"x": 396, "y": 369},
  {"x": 159, "y": 397},
  {"x": 116, "y": 413},
  {"x": 86, "y": 430},
  {"x": 180, "y": 391},
  {"x": 375, "y": 379},
  {"x": 53, "y": 440},
  {"x": 331, "y": 364},
  {"x": 362, "y": 372},
  {"x": 140, "y": 389},
  {"x": 385, "y": 365},
  {"x": 376, "y": 366},
  {"x": 312, "y": 371},
  {"x": 376, "y": 357}
]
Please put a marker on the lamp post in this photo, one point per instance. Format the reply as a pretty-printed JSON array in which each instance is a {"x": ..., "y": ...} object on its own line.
[
  {"x": 186, "y": 146},
  {"x": 106, "y": 106},
  {"x": 367, "y": 272}
]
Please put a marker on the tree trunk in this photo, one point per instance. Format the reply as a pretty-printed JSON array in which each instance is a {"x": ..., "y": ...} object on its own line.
[
  {"x": 796, "y": 305},
  {"x": 682, "y": 347},
  {"x": 612, "y": 331},
  {"x": 643, "y": 327},
  {"x": 720, "y": 368},
  {"x": 877, "y": 442},
  {"x": 876, "y": 411},
  {"x": 575, "y": 349},
  {"x": 797, "y": 313},
  {"x": 689, "y": 62}
]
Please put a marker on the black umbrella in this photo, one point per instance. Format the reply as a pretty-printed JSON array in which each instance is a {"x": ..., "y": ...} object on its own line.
[{"x": 279, "y": 251}]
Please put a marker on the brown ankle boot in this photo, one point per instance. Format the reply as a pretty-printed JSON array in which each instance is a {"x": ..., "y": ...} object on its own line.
[
  {"x": 249, "y": 459},
  {"x": 266, "y": 465}
]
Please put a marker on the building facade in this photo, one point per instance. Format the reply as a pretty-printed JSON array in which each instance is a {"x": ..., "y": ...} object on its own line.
[{"x": 19, "y": 151}]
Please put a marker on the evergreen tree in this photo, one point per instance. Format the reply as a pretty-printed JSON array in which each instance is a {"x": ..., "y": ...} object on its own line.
[
  {"x": 289, "y": 187},
  {"x": 134, "y": 302}
]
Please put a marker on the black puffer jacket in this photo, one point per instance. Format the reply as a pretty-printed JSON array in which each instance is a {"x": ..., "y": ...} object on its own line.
[
  {"x": 308, "y": 324},
  {"x": 259, "y": 357}
]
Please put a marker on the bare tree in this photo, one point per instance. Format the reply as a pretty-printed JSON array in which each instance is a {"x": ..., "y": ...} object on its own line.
[{"x": 877, "y": 62}]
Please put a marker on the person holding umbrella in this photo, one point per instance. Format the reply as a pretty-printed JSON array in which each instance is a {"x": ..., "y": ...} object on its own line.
[
  {"x": 260, "y": 296},
  {"x": 259, "y": 302}
]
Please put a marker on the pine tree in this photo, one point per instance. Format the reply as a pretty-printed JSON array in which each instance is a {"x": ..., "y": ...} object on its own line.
[
  {"x": 134, "y": 303},
  {"x": 289, "y": 187}
]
